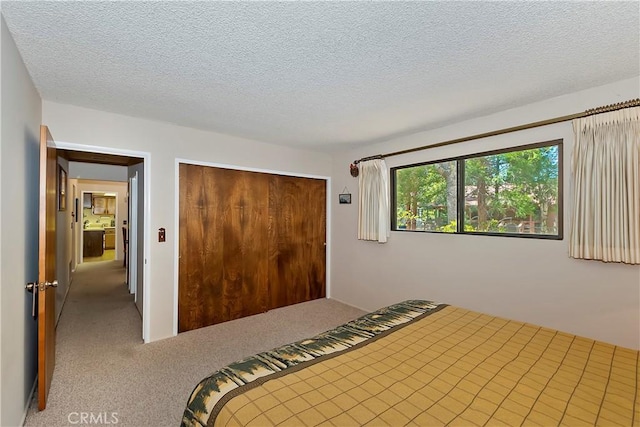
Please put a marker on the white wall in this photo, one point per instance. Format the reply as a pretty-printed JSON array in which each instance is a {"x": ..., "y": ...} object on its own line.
[
  {"x": 97, "y": 171},
  {"x": 166, "y": 142},
  {"x": 19, "y": 164},
  {"x": 524, "y": 279}
]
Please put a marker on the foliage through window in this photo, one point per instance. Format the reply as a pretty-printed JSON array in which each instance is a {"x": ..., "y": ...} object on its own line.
[{"x": 513, "y": 192}]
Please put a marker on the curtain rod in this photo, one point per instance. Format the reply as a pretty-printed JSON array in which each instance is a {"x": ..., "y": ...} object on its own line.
[{"x": 590, "y": 112}]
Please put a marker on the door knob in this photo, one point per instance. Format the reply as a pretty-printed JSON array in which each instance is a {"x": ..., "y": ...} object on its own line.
[
  {"x": 30, "y": 287},
  {"x": 34, "y": 288}
]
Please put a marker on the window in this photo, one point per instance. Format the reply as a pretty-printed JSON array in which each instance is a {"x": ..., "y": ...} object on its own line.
[
  {"x": 426, "y": 197},
  {"x": 512, "y": 192}
]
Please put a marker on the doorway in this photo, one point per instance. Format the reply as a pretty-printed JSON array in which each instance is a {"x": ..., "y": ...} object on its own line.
[
  {"x": 102, "y": 206},
  {"x": 101, "y": 215}
]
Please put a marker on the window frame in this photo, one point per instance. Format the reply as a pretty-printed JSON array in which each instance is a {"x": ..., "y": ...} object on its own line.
[{"x": 460, "y": 183}]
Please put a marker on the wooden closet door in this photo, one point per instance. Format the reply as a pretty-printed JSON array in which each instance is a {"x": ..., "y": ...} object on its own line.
[
  {"x": 297, "y": 240},
  {"x": 223, "y": 266}
]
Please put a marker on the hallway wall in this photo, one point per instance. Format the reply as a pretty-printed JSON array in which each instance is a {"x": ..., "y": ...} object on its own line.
[
  {"x": 19, "y": 185},
  {"x": 97, "y": 171},
  {"x": 63, "y": 246}
]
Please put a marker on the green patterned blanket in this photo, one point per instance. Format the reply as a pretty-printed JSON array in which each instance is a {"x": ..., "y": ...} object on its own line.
[{"x": 212, "y": 392}]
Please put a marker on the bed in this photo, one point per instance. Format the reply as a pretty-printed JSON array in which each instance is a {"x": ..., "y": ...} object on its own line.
[{"x": 423, "y": 363}]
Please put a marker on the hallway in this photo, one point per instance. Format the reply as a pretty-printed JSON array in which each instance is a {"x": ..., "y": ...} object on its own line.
[
  {"x": 107, "y": 255},
  {"x": 97, "y": 334}
]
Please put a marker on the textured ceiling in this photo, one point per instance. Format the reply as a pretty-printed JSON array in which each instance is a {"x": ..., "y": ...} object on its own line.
[{"x": 320, "y": 73}]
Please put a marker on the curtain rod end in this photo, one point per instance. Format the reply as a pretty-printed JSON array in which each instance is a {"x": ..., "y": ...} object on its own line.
[{"x": 353, "y": 169}]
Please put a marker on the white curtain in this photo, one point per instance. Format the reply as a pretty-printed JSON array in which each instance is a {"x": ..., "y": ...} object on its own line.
[
  {"x": 606, "y": 187},
  {"x": 373, "y": 201}
]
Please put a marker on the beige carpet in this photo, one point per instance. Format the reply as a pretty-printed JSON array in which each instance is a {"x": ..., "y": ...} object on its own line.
[
  {"x": 104, "y": 370},
  {"x": 107, "y": 255}
]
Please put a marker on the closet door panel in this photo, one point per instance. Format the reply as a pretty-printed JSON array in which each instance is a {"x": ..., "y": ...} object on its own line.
[
  {"x": 223, "y": 264},
  {"x": 297, "y": 236},
  {"x": 245, "y": 245}
]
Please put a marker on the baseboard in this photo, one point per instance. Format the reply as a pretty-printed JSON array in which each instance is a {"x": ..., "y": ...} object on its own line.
[
  {"x": 350, "y": 305},
  {"x": 64, "y": 300},
  {"x": 26, "y": 409}
]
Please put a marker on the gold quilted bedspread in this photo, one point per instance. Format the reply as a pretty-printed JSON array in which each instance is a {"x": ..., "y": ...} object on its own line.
[{"x": 457, "y": 367}]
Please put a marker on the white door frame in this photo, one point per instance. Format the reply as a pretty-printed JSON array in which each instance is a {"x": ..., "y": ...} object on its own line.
[
  {"x": 132, "y": 249},
  {"x": 74, "y": 229},
  {"x": 146, "y": 156},
  {"x": 179, "y": 161}
]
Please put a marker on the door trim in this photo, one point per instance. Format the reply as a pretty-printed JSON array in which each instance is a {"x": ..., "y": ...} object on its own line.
[
  {"x": 179, "y": 161},
  {"x": 146, "y": 156},
  {"x": 132, "y": 249}
]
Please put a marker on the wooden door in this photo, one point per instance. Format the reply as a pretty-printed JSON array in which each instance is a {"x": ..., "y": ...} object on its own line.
[
  {"x": 47, "y": 266},
  {"x": 297, "y": 237},
  {"x": 248, "y": 242},
  {"x": 223, "y": 240}
]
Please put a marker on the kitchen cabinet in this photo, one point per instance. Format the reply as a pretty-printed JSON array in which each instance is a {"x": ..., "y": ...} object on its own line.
[
  {"x": 99, "y": 205},
  {"x": 92, "y": 244},
  {"x": 109, "y": 238},
  {"x": 111, "y": 205},
  {"x": 104, "y": 205}
]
